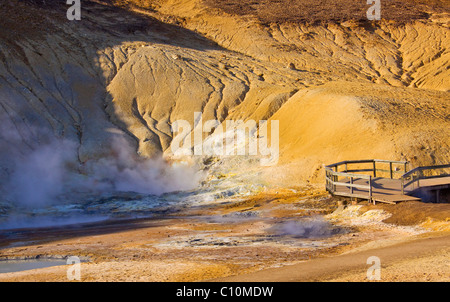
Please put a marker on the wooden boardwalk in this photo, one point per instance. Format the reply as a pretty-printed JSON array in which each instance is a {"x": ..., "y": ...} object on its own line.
[
  {"x": 386, "y": 181},
  {"x": 383, "y": 190}
]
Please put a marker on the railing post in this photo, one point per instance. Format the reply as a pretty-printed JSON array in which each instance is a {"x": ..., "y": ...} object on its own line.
[
  {"x": 374, "y": 169},
  {"x": 370, "y": 189},
  {"x": 335, "y": 178},
  {"x": 329, "y": 184},
  {"x": 329, "y": 180},
  {"x": 403, "y": 185},
  {"x": 419, "y": 175},
  {"x": 351, "y": 182},
  {"x": 390, "y": 168}
]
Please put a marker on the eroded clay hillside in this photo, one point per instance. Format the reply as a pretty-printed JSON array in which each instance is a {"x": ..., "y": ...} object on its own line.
[{"x": 341, "y": 89}]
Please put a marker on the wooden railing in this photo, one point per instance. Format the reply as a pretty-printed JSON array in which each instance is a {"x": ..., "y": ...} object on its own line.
[
  {"x": 332, "y": 181},
  {"x": 414, "y": 176},
  {"x": 344, "y": 174},
  {"x": 334, "y": 171}
]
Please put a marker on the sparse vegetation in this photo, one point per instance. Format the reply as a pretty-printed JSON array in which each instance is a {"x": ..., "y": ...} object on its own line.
[{"x": 323, "y": 11}]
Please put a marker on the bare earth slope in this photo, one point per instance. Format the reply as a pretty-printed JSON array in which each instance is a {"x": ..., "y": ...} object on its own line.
[{"x": 341, "y": 88}]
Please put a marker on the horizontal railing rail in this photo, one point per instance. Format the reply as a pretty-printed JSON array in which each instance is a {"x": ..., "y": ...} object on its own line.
[{"x": 414, "y": 176}]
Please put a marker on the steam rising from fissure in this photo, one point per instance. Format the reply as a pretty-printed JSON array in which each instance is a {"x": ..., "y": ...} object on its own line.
[
  {"x": 310, "y": 227},
  {"x": 36, "y": 174}
]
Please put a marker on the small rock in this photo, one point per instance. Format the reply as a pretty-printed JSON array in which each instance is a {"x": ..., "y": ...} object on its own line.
[{"x": 223, "y": 66}]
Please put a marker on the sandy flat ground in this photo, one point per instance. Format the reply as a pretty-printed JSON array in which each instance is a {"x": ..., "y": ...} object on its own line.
[
  {"x": 417, "y": 260},
  {"x": 248, "y": 240}
]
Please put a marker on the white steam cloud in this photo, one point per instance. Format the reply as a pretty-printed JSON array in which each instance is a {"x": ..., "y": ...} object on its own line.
[
  {"x": 316, "y": 227},
  {"x": 125, "y": 171},
  {"x": 45, "y": 173},
  {"x": 38, "y": 177}
]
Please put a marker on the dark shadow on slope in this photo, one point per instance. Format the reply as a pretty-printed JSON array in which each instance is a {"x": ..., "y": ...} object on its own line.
[
  {"x": 30, "y": 29},
  {"x": 29, "y": 24}
]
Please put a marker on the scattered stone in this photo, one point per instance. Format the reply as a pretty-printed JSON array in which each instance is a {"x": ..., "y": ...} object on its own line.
[{"x": 223, "y": 66}]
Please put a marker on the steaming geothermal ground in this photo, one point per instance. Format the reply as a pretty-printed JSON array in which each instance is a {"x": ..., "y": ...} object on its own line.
[{"x": 228, "y": 237}]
